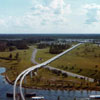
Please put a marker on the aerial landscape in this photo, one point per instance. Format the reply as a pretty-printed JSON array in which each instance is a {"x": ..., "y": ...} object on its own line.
[
  {"x": 50, "y": 50},
  {"x": 77, "y": 70}
]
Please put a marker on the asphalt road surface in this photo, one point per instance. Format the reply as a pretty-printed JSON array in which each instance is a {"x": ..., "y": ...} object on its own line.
[{"x": 62, "y": 71}]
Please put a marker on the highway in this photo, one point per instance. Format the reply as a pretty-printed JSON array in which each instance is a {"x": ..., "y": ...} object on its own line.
[
  {"x": 62, "y": 71},
  {"x": 27, "y": 71}
]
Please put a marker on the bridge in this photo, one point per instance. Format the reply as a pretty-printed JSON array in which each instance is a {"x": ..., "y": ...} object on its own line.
[{"x": 22, "y": 75}]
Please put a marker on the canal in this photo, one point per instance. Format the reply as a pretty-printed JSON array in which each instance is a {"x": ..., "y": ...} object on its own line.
[{"x": 5, "y": 87}]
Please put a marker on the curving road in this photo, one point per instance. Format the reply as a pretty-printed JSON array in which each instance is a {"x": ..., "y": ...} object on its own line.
[
  {"x": 22, "y": 75},
  {"x": 62, "y": 71},
  {"x": 34, "y": 56}
]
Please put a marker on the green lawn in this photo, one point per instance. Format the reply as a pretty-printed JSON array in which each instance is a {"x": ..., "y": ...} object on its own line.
[
  {"x": 44, "y": 54},
  {"x": 45, "y": 78},
  {"x": 84, "y": 60},
  {"x": 48, "y": 80},
  {"x": 14, "y": 67}
]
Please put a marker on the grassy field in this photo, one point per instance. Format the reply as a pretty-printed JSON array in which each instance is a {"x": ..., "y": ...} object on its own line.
[
  {"x": 84, "y": 60},
  {"x": 47, "y": 79},
  {"x": 14, "y": 67},
  {"x": 44, "y": 78},
  {"x": 44, "y": 54}
]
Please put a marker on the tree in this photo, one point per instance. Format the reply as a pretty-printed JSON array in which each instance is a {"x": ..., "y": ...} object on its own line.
[
  {"x": 42, "y": 45},
  {"x": 96, "y": 66},
  {"x": 3, "y": 46},
  {"x": 55, "y": 49},
  {"x": 11, "y": 48},
  {"x": 80, "y": 70},
  {"x": 64, "y": 75},
  {"x": 17, "y": 55},
  {"x": 10, "y": 56},
  {"x": 21, "y": 45}
]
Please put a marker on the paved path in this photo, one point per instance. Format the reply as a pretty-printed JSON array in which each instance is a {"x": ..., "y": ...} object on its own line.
[
  {"x": 62, "y": 71},
  {"x": 33, "y": 56},
  {"x": 23, "y": 74}
]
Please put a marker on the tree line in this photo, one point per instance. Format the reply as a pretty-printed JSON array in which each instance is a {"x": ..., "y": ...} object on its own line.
[
  {"x": 58, "y": 48},
  {"x": 12, "y": 45}
]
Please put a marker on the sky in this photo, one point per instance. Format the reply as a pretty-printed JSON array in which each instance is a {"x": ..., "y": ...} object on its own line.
[{"x": 49, "y": 16}]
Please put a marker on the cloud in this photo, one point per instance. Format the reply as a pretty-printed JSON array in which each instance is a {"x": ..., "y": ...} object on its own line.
[
  {"x": 92, "y": 16},
  {"x": 92, "y": 12},
  {"x": 54, "y": 16},
  {"x": 2, "y": 22},
  {"x": 92, "y": 6},
  {"x": 56, "y": 10},
  {"x": 44, "y": 13}
]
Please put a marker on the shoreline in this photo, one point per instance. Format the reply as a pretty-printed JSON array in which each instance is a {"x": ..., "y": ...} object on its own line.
[
  {"x": 50, "y": 88},
  {"x": 58, "y": 87}
]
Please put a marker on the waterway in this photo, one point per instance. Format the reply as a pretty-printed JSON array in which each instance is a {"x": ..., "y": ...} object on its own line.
[{"x": 5, "y": 87}]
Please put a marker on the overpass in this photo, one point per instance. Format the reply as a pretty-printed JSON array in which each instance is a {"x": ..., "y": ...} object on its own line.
[
  {"x": 27, "y": 71},
  {"x": 60, "y": 70}
]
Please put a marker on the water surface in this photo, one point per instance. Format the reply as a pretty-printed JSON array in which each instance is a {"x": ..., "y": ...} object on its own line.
[{"x": 5, "y": 87}]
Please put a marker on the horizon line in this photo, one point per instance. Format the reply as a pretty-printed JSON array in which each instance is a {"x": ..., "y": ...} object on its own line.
[{"x": 49, "y": 33}]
